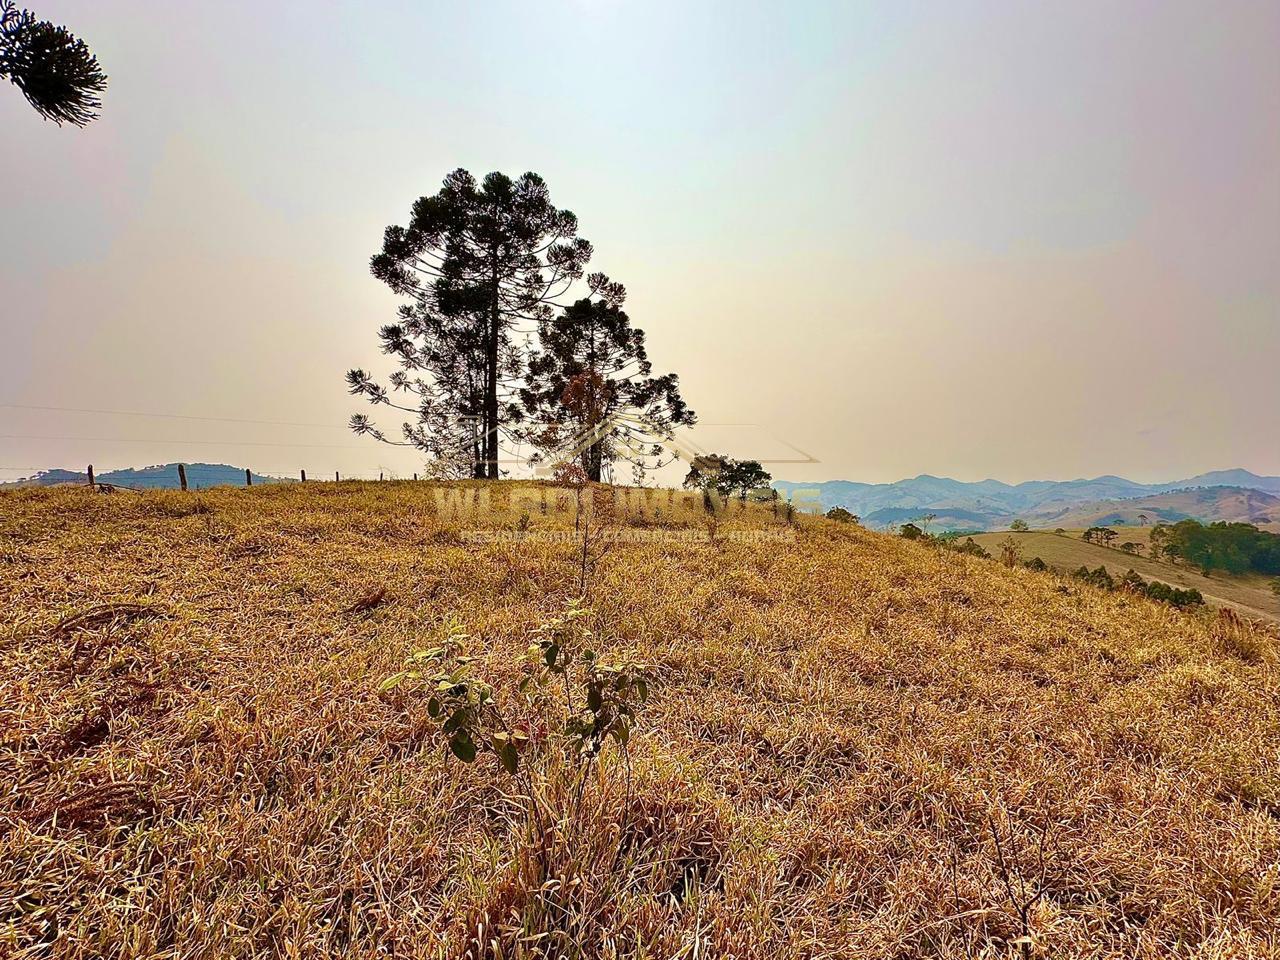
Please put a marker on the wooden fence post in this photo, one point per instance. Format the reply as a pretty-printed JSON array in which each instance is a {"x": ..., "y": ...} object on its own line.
[
  {"x": 415, "y": 476},
  {"x": 335, "y": 476},
  {"x": 304, "y": 476},
  {"x": 379, "y": 474},
  {"x": 182, "y": 477},
  {"x": 248, "y": 477},
  {"x": 91, "y": 474}
]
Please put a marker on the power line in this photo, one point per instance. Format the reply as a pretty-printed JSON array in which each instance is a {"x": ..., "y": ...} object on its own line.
[
  {"x": 172, "y": 416},
  {"x": 202, "y": 443}
]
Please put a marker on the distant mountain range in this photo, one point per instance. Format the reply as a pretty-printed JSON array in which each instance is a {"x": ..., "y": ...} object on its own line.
[
  {"x": 162, "y": 476},
  {"x": 993, "y": 505}
]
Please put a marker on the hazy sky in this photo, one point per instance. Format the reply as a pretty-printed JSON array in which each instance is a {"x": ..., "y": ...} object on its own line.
[{"x": 1020, "y": 240}]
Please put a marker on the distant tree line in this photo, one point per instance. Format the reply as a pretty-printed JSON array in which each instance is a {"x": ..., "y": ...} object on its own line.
[
  {"x": 1102, "y": 536},
  {"x": 1011, "y": 556},
  {"x": 1230, "y": 547}
]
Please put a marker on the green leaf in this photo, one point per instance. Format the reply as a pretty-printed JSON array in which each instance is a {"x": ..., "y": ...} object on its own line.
[
  {"x": 433, "y": 708},
  {"x": 507, "y": 754},
  {"x": 550, "y": 654},
  {"x": 595, "y": 700},
  {"x": 463, "y": 747},
  {"x": 392, "y": 681}
]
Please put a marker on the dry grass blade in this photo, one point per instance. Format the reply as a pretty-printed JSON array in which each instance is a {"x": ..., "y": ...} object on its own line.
[
  {"x": 95, "y": 805},
  {"x": 370, "y": 600},
  {"x": 105, "y": 614}
]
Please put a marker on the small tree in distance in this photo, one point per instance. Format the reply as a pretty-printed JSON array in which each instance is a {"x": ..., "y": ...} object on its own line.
[
  {"x": 1019, "y": 526},
  {"x": 727, "y": 476}
]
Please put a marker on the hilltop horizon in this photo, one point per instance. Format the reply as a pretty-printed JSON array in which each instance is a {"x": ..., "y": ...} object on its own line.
[
  {"x": 1232, "y": 476},
  {"x": 1225, "y": 477},
  {"x": 993, "y": 504}
]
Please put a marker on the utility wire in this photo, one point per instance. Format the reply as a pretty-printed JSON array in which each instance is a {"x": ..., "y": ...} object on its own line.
[
  {"x": 203, "y": 443},
  {"x": 172, "y": 416}
]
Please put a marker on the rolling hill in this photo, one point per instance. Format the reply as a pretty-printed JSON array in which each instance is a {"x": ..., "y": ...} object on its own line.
[
  {"x": 852, "y": 745},
  {"x": 993, "y": 505},
  {"x": 1206, "y": 504},
  {"x": 162, "y": 476}
]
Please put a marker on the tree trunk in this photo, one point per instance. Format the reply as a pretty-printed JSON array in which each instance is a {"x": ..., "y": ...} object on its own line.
[
  {"x": 477, "y": 454},
  {"x": 491, "y": 384}
]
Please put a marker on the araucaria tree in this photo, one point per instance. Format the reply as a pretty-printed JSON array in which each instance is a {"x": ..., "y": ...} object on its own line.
[
  {"x": 591, "y": 390},
  {"x": 55, "y": 71},
  {"x": 477, "y": 260}
]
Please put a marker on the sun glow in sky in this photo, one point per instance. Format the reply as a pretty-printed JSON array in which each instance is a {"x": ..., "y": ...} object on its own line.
[{"x": 972, "y": 239}]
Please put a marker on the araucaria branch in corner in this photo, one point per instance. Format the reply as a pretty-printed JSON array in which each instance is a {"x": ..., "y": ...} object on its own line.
[{"x": 55, "y": 70}]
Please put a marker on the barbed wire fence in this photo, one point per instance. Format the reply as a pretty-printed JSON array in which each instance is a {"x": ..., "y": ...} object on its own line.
[{"x": 188, "y": 473}]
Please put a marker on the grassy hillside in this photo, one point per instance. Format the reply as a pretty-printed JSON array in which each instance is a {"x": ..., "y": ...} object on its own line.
[
  {"x": 842, "y": 726},
  {"x": 1250, "y": 595}
]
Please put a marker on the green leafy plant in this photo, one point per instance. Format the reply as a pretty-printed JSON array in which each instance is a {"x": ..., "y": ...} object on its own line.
[
  {"x": 568, "y": 705},
  {"x": 563, "y": 674}
]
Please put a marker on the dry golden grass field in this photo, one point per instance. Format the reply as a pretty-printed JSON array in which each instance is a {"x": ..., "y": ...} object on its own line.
[
  {"x": 1249, "y": 594},
  {"x": 854, "y": 746}
]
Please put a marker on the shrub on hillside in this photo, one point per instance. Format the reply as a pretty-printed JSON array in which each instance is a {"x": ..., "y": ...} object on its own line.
[
  {"x": 1099, "y": 577},
  {"x": 1010, "y": 554},
  {"x": 970, "y": 546},
  {"x": 841, "y": 515},
  {"x": 1132, "y": 582}
]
